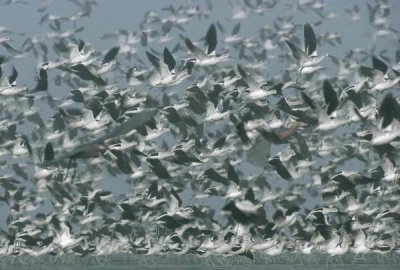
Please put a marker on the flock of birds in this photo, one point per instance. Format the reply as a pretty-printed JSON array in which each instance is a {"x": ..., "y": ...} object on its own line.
[{"x": 303, "y": 160}]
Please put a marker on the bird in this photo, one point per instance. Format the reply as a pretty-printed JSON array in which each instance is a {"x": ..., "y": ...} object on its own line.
[
  {"x": 166, "y": 74},
  {"x": 245, "y": 212},
  {"x": 307, "y": 59},
  {"x": 331, "y": 98},
  {"x": 255, "y": 90},
  {"x": 208, "y": 57},
  {"x": 280, "y": 168},
  {"x": 389, "y": 110},
  {"x": 87, "y": 74},
  {"x": 110, "y": 55}
]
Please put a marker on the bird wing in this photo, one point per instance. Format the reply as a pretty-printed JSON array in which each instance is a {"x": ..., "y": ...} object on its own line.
[
  {"x": 153, "y": 60},
  {"x": 199, "y": 54},
  {"x": 235, "y": 29},
  {"x": 379, "y": 65},
  {"x": 169, "y": 59},
  {"x": 211, "y": 39},
  {"x": 331, "y": 98},
  {"x": 13, "y": 77},
  {"x": 249, "y": 80},
  {"x": 160, "y": 66},
  {"x": 298, "y": 53},
  {"x": 280, "y": 169},
  {"x": 310, "y": 41},
  {"x": 110, "y": 55},
  {"x": 48, "y": 153},
  {"x": 308, "y": 100}
]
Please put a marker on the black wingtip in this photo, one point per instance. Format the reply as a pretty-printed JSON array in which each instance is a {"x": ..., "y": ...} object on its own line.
[
  {"x": 379, "y": 65},
  {"x": 48, "y": 153},
  {"x": 331, "y": 98},
  {"x": 110, "y": 55},
  {"x": 310, "y": 41},
  {"x": 308, "y": 100},
  {"x": 211, "y": 39},
  {"x": 169, "y": 59}
]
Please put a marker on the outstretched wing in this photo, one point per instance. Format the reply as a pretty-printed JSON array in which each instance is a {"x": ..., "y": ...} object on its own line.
[
  {"x": 378, "y": 64},
  {"x": 211, "y": 39},
  {"x": 154, "y": 60},
  {"x": 199, "y": 54},
  {"x": 110, "y": 55},
  {"x": 169, "y": 59},
  {"x": 310, "y": 41},
  {"x": 331, "y": 98},
  {"x": 296, "y": 51}
]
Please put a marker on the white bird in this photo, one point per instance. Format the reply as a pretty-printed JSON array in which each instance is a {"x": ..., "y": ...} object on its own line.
[
  {"x": 209, "y": 57},
  {"x": 254, "y": 88},
  {"x": 165, "y": 74},
  {"x": 308, "y": 58}
]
